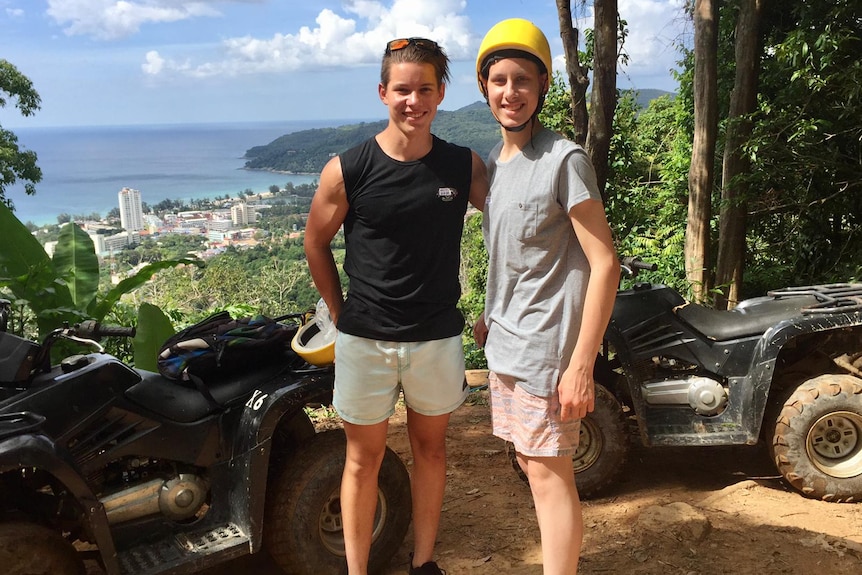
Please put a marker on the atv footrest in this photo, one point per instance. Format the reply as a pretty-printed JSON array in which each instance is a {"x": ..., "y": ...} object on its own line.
[{"x": 196, "y": 550}]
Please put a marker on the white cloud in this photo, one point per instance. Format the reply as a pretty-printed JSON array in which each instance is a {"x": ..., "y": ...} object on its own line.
[
  {"x": 114, "y": 19},
  {"x": 344, "y": 35},
  {"x": 154, "y": 63},
  {"x": 14, "y": 12},
  {"x": 354, "y": 38},
  {"x": 653, "y": 28}
]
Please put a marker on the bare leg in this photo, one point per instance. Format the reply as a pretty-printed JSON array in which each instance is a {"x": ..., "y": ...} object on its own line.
[
  {"x": 366, "y": 446},
  {"x": 428, "y": 480},
  {"x": 558, "y": 510}
]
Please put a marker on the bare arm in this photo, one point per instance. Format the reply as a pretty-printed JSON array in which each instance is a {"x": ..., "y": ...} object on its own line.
[
  {"x": 328, "y": 210},
  {"x": 577, "y": 388},
  {"x": 478, "y": 192},
  {"x": 480, "y": 330},
  {"x": 478, "y": 183}
]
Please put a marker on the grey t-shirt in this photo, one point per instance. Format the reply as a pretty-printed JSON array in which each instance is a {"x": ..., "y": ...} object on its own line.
[{"x": 537, "y": 270}]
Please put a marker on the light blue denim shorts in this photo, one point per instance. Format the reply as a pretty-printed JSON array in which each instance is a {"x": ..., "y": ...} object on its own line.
[{"x": 370, "y": 375}]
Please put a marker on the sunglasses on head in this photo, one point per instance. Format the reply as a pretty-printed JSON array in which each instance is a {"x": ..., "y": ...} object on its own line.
[{"x": 401, "y": 43}]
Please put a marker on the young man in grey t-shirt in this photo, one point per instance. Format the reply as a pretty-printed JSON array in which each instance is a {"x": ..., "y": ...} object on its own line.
[{"x": 552, "y": 279}]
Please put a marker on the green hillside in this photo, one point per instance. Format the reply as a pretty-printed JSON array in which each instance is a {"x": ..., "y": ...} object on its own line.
[
  {"x": 472, "y": 126},
  {"x": 308, "y": 151}
]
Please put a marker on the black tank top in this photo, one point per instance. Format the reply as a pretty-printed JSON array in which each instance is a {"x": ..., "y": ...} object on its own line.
[{"x": 403, "y": 236}]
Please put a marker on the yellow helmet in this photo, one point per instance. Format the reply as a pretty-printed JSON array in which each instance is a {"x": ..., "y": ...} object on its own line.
[
  {"x": 311, "y": 345},
  {"x": 513, "y": 34}
]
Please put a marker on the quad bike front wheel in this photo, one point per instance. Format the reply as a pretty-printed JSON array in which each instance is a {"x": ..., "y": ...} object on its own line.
[
  {"x": 817, "y": 442},
  {"x": 303, "y": 529},
  {"x": 30, "y": 548},
  {"x": 603, "y": 446}
]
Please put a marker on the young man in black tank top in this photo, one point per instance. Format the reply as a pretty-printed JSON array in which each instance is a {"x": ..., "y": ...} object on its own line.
[{"x": 401, "y": 197}]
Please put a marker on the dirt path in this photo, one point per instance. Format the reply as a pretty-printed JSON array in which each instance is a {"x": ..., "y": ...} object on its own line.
[{"x": 695, "y": 511}]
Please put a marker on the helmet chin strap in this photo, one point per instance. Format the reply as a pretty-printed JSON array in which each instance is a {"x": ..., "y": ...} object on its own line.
[{"x": 517, "y": 128}]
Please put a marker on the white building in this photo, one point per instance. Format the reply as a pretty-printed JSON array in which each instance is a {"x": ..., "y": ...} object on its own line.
[
  {"x": 131, "y": 210},
  {"x": 193, "y": 223},
  {"x": 98, "y": 243},
  {"x": 120, "y": 241},
  {"x": 50, "y": 247},
  {"x": 220, "y": 224},
  {"x": 243, "y": 214}
]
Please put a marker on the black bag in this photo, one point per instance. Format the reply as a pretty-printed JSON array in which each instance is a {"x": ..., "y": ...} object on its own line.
[{"x": 220, "y": 346}]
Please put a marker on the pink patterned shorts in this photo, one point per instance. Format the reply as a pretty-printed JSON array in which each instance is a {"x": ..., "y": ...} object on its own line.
[{"x": 531, "y": 422}]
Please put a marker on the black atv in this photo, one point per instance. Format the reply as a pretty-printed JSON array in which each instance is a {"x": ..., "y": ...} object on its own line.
[
  {"x": 785, "y": 367},
  {"x": 146, "y": 475}
]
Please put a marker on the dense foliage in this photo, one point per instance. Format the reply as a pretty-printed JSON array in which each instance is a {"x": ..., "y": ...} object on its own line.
[
  {"x": 271, "y": 278},
  {"x": 804, "y": 203},
  {"x": 806, "y": 147},
  {"x": 473, "y": 276},
  {"x": 17, "y": 164}
]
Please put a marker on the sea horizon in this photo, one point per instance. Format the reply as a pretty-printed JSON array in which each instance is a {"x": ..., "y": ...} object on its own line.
[{"x": 84, "y": 167}]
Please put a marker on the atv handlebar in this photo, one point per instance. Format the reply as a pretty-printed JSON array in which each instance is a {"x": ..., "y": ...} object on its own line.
[
  {"x": 94, "y": 330},
  {"x": 633, "y": 264},
  {"x": 87, "y": 333}
]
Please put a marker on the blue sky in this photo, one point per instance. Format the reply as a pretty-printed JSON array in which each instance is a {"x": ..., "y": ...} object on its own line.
[{"x": 118, "y": 62}]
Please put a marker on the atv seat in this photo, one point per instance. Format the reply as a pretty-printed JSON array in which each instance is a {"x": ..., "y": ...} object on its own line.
[
  {"x": 751, "y": 318},
  {"x": 182, "y": 402}
]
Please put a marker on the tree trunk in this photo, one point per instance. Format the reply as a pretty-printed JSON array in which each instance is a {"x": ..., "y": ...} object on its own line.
[
  {"x": 604, "y": 95},
  {"x": 743, "y": 99},
  {"x": 578, "y": 80},
  {"x": 700, "y": 176}
]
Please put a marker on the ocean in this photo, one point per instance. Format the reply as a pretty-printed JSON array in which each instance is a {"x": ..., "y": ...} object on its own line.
[{"x": 83, "y": 168}]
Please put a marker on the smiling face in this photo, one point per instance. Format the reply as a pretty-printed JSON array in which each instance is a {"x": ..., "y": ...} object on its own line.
[
  {"x": 412, "y": 95},
  {"x": 514, "y": 87}
]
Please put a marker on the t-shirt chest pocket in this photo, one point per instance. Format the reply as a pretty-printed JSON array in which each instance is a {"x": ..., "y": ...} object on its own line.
[{"x": 522, "y": 220}]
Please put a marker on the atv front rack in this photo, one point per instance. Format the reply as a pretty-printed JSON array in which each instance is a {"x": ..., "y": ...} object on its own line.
[{"x": 831, "y": 298}]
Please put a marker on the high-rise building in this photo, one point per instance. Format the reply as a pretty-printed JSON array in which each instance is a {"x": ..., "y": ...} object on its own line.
[
  {"x": 243, "y": 214},
  {"x": 131, "y": 211}
]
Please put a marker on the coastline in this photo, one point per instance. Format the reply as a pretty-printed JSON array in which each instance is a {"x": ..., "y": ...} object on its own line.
[
  {"x": 83, "y": 169},
  {"x": 283, "y": 172}
]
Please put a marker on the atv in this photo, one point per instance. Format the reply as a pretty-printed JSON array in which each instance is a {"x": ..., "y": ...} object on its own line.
[
  {"x": 146, "y": 475},
  {"x": 785, "y": 367}
]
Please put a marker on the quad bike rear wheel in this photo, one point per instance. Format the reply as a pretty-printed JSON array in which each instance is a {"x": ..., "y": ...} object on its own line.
[
  {"x": 603, "y": 446},
  {"x": 303, "y": 530},
  {"x": 33, "y": 549},
  {"x": 288, "y": 437},
  {"x": 817, "y": 439}
]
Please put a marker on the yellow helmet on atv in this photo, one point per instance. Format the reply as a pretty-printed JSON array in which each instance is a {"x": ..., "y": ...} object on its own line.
[
  {"x": 512, "y": 34},
  {"x": 312, "y": 345}
]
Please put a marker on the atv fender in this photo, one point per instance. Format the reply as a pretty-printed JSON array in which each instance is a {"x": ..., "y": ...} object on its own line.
[
  {"x": 775, "y": 339},
  {"x": 38, "y": 451},
  {"x": 264, "y": 410}
]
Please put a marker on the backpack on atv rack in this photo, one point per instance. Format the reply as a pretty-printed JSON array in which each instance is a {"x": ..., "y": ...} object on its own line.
[{"x": 220, "y": 346}]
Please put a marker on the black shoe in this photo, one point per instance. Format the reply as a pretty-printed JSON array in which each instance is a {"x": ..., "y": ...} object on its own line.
[{"x": 429, "y": 568}]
